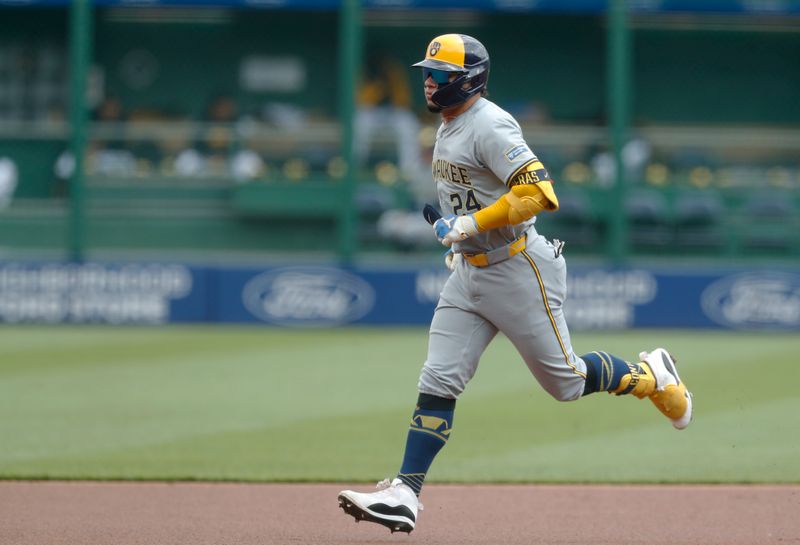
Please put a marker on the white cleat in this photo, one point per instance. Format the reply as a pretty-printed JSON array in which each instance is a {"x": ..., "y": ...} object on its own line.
[
  {"x": 671, "y": 396},
  {"x": 394, "y": 505}
]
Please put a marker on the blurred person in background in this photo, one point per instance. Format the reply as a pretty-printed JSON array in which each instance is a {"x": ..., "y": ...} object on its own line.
[
  {"x": 209, "y": 154},
  {"x": 221, "y": 150},
  {"x": 384, "y": 108},
  {"x": 107, "y": 155},
  {"x": 9, "y": 175},
  {"x": 218, "y": 143},
  {"x": 636, "y": 154},
  {"x": 110, "y": 155}
]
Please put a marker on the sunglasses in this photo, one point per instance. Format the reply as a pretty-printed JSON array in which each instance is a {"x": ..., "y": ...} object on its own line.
[{"x": 439, "y": 76}]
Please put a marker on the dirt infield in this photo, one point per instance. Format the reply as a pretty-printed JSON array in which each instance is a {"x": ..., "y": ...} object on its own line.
[{"x": 57, "y": 513}]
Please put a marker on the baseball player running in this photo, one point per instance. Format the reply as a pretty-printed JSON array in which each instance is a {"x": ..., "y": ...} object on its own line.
[{"x": 505, "y": 277}]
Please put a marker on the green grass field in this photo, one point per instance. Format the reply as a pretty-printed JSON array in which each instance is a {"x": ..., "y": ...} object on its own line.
[{"x": 263, "y": 404}]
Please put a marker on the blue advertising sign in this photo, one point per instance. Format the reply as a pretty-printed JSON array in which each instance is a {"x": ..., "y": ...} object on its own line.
[
  {"x": 92, "y": 292},
  {"x": 767, "y": 300},
  {"x": 326, "y": 296}
]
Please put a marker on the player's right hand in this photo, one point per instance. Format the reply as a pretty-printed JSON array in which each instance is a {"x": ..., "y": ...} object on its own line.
[{"x": 452, "y": 228}]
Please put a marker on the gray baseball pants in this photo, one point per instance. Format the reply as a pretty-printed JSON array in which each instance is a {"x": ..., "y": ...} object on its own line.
[{"x": 521, "y": 297}]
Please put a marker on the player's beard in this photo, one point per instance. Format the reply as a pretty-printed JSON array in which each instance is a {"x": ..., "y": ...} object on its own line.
[{"x": 434, "y": 108}]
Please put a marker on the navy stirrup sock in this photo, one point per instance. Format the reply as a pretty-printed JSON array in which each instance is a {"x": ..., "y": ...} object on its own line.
[
  {"x": 429, "y": 430},
  {"x": 605, "y": 371}
]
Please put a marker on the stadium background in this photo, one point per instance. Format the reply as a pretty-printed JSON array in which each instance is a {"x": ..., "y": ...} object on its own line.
[{"x": 220, "y": 180}]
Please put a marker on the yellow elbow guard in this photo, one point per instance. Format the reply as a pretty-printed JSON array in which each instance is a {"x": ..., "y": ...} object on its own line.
[
  {"x": 525, "y": 201},
  {"x": 521, "y": 203}
]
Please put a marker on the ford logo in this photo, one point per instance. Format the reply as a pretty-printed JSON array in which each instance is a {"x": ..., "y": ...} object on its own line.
[
  {"x": 308, "y": 296},
  {"x": 755, "y": 301}
]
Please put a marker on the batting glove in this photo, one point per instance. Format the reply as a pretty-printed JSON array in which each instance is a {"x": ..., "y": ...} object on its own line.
[
  {"x": 452, "y": 259},
  {"x": 451, "y": 228}
]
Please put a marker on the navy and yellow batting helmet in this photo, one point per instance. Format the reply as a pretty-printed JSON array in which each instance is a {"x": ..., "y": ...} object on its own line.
[{"x": 460, "y": 54}]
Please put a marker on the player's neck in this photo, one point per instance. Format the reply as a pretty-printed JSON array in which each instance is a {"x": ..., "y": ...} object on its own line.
[{"x": 451, "y": 113}]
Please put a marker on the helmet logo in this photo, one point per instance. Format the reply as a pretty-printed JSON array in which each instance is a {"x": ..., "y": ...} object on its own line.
[{"x": 434, "y": 49}]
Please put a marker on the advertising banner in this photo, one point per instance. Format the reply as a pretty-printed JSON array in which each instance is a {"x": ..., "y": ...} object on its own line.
[
  {"x": 145, "y": 293},
  {"x": 328, "y": 296}
]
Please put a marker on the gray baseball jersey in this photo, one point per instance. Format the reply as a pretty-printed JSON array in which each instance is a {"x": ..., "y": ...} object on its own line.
[{"x": 475, "y": 155}]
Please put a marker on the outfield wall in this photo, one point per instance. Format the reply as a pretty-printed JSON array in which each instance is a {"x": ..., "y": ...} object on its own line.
[{"x": 323, "y": 296}]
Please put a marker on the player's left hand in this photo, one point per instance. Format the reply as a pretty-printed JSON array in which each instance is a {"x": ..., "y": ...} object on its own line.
[
  {"x": 452, "y": 228},
  {"x": 452, "y": 259}
]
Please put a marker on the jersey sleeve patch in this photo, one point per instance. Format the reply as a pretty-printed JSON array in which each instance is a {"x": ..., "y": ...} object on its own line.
[
  {"x": 530, "y": 173},
  {"x": 516, "y": 151}
]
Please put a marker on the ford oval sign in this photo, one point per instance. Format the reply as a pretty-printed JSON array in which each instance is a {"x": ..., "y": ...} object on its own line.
[
  {"x": 308, "y": 296},
  {"x": 755, "y": 301}
]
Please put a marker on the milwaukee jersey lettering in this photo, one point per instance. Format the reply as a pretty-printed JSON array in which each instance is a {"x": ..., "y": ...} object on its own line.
[{"x": 448, "y": 172}]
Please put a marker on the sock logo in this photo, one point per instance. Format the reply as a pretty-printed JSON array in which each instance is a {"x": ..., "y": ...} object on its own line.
[{"x": 431, "y": 424}]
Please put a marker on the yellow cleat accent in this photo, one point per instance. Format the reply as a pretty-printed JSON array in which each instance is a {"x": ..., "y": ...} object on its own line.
[
  {"x": 672, "y": 401},
  {"x": 671, "y": 396}
]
